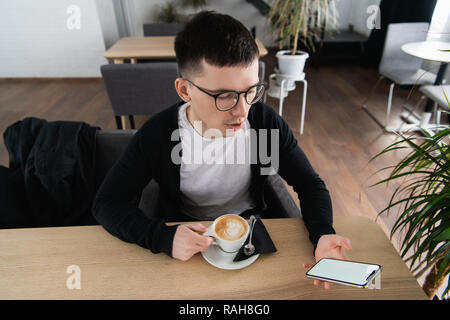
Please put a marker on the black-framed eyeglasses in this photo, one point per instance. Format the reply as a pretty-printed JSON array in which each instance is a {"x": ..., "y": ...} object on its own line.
[{"x": 227, "y": 100}]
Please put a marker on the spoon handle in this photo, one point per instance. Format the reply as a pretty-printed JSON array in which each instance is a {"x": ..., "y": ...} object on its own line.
[{"x": 252, "y": 221}]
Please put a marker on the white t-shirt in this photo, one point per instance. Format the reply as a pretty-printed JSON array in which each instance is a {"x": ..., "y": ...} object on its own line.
[{"x": 215, "y": 173}]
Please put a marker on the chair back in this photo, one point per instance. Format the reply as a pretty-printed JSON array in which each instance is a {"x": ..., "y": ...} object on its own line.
[
  {"x": 261, "y": 70},
  {"x": 398, "y": 34},
  {"x": 109, "y": 145},
  {"x": 162, "y": 29},
  {"x": 143, "y": 88}
]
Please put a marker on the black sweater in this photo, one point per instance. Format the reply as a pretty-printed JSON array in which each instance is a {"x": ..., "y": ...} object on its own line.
[{"x": 148, "y": 156}]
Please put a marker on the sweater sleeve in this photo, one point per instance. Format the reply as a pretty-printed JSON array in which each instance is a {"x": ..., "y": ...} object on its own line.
[
  {"x": 296, "y": 170},
  {"x": 115, "y": 205}
]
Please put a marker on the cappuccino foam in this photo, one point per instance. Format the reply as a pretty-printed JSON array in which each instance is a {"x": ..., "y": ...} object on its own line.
[{"x": 231, "y": 227}]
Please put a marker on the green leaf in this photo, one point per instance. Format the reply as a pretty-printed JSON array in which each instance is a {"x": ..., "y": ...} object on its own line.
[
  {"x": 422, "y": 197},
  {"x": 443, "y": 269},
  {"x": 431, "y": 207},
  {"x": 443, "y": 236},
  {"x": 446, "y": 98}
]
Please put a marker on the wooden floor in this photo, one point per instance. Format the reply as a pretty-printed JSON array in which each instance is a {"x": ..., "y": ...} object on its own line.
[{"x": 339, "y": 137}]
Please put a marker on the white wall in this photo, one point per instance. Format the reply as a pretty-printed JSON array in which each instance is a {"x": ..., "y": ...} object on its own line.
[
  {"x": 359, "y": 15},
  {"x": 36, "y": 42},
  {"x": 353, "y": 12},
  {"x": 108, "y": 23},
  {"x": 343, "y": 12}
]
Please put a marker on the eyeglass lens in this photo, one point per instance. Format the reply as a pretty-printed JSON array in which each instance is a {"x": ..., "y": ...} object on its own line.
[{"x": 228, "y": 100}]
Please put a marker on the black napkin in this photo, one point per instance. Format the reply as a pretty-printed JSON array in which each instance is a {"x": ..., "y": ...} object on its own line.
[{"x": 260, "y": 239}]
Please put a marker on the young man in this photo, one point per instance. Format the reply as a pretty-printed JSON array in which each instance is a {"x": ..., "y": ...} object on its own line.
[{"x": 219, "y": 85}]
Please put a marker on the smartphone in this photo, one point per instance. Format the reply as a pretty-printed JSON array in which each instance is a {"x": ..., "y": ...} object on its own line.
[{"x": 350, "y": 273}]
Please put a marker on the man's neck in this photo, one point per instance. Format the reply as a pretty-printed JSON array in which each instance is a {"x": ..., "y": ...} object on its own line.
[{"x": 199, "y": 126}]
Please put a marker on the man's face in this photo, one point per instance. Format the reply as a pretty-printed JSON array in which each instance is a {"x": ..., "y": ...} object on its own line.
[{"x": 214, "y": 80}]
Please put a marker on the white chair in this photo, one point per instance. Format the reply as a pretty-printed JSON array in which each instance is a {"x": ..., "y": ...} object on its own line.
[
  {"x": 399, "y": 67},
  {"x": 436, "y": 93}
]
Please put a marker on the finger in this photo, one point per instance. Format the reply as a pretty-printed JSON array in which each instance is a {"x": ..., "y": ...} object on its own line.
[
  {"x": 343, "y": 254},
  {"x": 203, "y": 247},
  {"x": 204, "y": 242},
  {"x": 307, "y": 265},
  {"x": 197, "y": 227},
  {"x": 345, "y": 242},
  {"x": 327, "y": 285}
]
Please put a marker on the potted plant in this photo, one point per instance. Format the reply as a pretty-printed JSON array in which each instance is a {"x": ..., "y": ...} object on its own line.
[
  {"x": 169, "y": 13},
  {"x": 196, "y": 4},
  {"x": 298, "y": 20},
  {"x": 424, "y": 200}
]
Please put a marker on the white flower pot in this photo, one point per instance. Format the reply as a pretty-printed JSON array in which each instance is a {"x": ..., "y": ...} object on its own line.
[{"x": 291, "y": 65}]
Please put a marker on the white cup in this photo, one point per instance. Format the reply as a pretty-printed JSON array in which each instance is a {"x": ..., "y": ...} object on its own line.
[{"x": 228, "y": 246}]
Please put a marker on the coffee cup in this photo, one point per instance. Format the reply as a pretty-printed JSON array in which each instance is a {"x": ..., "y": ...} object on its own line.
[{"x": 229, "y": 232}]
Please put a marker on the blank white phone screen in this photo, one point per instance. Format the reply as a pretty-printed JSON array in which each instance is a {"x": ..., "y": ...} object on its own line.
[{"x": 344, "y": 271}]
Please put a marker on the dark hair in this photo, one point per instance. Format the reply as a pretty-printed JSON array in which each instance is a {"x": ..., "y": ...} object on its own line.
[{"x": 218, "y": 38}]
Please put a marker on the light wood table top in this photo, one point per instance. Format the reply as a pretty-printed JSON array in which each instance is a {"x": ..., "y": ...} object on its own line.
[
  {"x": 150, "y": 48},
  {"x": 34, "y": 262}
]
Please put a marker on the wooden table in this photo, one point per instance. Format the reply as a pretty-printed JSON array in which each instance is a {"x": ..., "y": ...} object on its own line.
[
  {"x": 34, "y": 262},
  {"x": 133, "y": 48}
]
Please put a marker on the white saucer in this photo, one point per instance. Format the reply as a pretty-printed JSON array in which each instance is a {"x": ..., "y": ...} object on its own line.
[{"x": 222, "y": 260}]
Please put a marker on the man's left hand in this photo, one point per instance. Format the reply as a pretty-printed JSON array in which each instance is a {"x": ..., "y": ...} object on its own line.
[{"x": 330, "y": 246}]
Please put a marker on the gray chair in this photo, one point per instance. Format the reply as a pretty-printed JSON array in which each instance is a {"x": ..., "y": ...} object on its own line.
[
  {"x": 436, "y": 93},
  {"x": 111, "y": 143},
  {"x": 140, "y": 89},
  {"x": 162, "y": 29},
  {"x": 261, "y": 70},
  {"x": 399, "y": 67},
  {"x": 262, "y": 75}
]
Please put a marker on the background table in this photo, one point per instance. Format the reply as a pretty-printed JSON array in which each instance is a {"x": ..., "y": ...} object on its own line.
[
  {"x": 33, "y": 264},
  {"x": 429, "y": 50},
  {"x": 432, "y": 51},
  {"x": 134, "y": 48}
]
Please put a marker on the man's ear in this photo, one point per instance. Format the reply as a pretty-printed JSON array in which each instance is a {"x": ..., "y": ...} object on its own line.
[{"x": 181, "y": 86}]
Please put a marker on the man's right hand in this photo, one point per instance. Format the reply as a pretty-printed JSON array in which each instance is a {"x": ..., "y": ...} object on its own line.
[{"x": 188, "y": 242}]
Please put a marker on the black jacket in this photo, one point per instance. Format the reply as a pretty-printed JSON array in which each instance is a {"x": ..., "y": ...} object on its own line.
[
  {"x": 52, "y": 170},
  {"x": 148, "y": 156}
]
